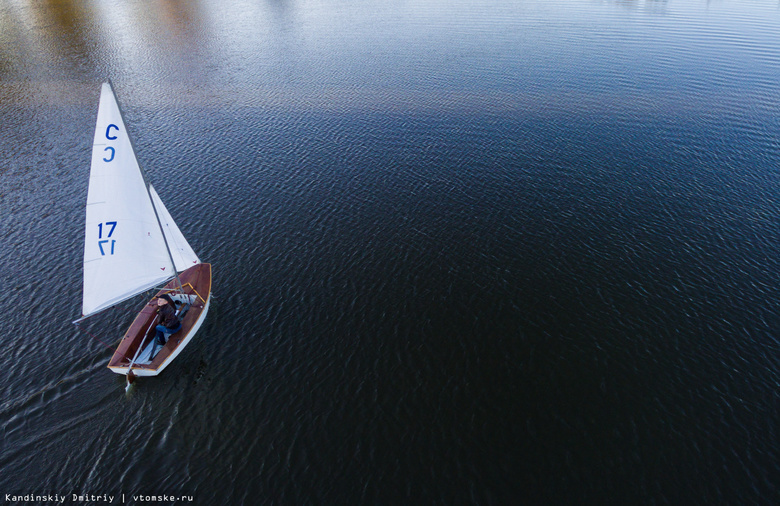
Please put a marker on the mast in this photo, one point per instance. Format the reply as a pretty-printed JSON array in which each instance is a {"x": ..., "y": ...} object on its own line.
[{"x": 148, "y": 191}]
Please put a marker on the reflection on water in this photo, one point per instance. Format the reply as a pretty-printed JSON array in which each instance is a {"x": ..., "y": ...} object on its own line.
[
  {"x": 320, "y": 52},
  {"x": 480, "y": 250}
]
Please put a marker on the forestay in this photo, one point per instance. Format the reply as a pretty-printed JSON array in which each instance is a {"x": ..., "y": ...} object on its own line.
[
  {"x": 124, "y": 249},
  {"x": 181, "y": 251}
]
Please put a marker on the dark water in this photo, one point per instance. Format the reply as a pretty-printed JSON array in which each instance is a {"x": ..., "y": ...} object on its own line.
[{"x": 464, "y": 252}]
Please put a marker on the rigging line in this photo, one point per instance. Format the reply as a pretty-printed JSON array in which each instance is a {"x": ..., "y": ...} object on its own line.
[
  {"x": 84, "y": 317},
  {"x": 128, "y": 309},
  {"x": 147, "y": 183},
  {"x": 95, "y": 337}
]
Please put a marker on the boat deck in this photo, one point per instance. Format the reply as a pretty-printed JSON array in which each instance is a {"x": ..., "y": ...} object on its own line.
[{"x": 196, "y": 282}]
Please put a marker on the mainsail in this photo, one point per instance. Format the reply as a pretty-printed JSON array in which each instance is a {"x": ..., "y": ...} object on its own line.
[{"x": 124, "y": 249}]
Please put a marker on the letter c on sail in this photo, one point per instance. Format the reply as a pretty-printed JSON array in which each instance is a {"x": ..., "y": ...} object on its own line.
[
  {"x": 113, "y": 152},
  {"x": 108, "y": 131}
]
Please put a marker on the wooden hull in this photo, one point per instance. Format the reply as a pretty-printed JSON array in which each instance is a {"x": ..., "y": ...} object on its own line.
[{"x": 197, "y": 287}]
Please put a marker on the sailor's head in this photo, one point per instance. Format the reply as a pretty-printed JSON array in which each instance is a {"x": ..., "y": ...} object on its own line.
[{"x": 163, "y": 299}]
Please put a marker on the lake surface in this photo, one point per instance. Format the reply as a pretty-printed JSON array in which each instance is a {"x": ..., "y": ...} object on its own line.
[{"x": 518, "y": 252}]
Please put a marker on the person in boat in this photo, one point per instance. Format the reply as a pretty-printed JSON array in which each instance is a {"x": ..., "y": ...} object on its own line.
[{"x": 167, "y": 321}]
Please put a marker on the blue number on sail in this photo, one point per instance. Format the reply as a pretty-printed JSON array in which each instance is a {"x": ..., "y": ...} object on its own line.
[
  {"x": 104, "y": 241},
  {"x": 108, "y": 131},
  {"x": 113, "y": 226},
  {"x": 113, "y": 152},
  {"x": 100, "y": 229}
]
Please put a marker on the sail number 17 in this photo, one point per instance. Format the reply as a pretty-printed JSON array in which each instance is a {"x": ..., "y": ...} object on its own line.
[{"x": 101, "y": 241}]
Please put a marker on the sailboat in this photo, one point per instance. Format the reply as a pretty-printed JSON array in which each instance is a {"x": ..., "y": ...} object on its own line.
[{"x": 131, "y": 246}]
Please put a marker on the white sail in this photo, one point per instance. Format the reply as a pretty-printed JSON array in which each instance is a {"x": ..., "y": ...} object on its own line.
[
  {"x": 124, "y": 250},
  {"x": 183, "y": 255}
]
